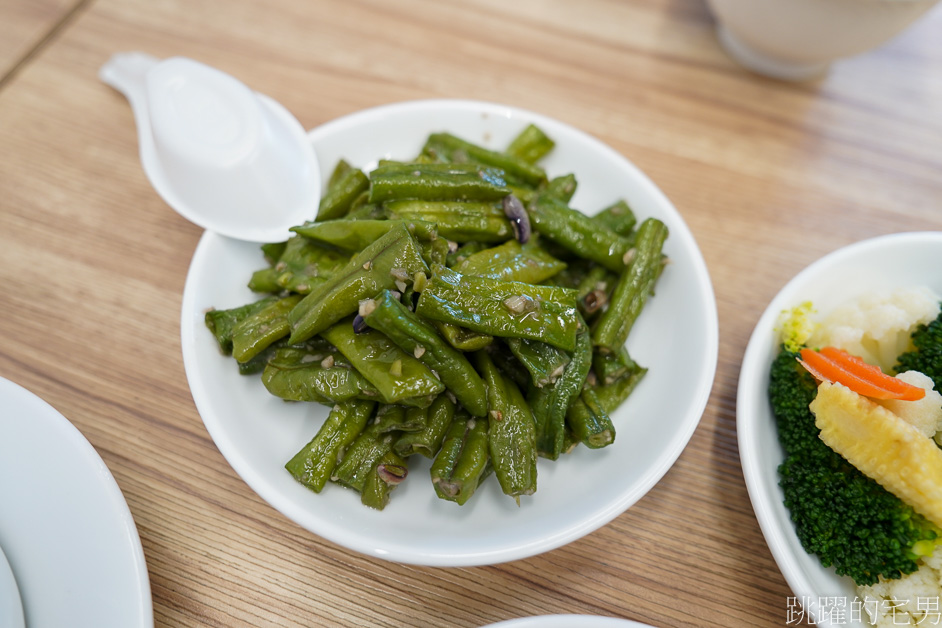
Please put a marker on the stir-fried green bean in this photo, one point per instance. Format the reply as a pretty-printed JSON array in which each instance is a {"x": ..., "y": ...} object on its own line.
[
  {"x": 356, "y": 235},
  {"x": 413, "y": 335},
  {"x": 253, "y": 334},
  {"x": 436, "y": 182},
  {"x": 221, "y": 322},
  {"x": 509, "y": 309},
  {"x": 462, "y": 460},
  {"x": 512, "y": 261},
  {"x": 427, "y": 440},
  {"x": 314, "y": 464},
  {"x": 344, "y": 186},
  {"x": 378, "y": 267},
  {"x": 453, "y": 306},
  {"x": 530, "y": 145},
  {"x": 550, "y": 403},
  {"x": 297, "y": 373},
  {"x": 633, "y": 288},
  {"x": 398, "y": 376},
  {"x": 579, "y": 234},
  {"x": 511, "y": 434},
  {"x": 457, "y": 220}
]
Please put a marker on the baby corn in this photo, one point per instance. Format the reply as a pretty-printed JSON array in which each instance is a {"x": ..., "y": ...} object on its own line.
[{"x": 882, "y": 446}]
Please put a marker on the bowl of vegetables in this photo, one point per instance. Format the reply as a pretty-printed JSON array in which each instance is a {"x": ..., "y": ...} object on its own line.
[
  {"x": 471, "y": 354},
  {"x": 838, "y": 451}
]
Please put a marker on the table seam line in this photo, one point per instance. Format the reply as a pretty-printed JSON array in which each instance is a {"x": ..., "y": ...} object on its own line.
[{"x": 43, "y": 42}]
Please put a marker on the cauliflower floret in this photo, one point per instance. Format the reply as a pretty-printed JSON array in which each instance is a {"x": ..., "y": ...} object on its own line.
[
  {"x": 877, "y": 326},
  {"x": 926, "y": 413},
  {"x": 912, "y": 600},
  {"x": 796, "y": 325}
]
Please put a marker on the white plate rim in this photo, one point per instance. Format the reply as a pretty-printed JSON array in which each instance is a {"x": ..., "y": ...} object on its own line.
[
  {"x": 46, "y": 417},
  {"x": 769, "y": 512},
  {"x": 568, "y": 621},
  {"x": 699, "y": 397}
]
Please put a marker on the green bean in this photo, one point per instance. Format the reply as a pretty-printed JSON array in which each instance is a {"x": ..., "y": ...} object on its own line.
[
  {"x": 544, "y": 362},
  {"x": 221, "y": 322},
  {"x": 635, "y": 284},
  {"x": 457, "y": 220},
  {"x": 302, "y": 374},
  {"x": 252, "y": 334},
  {"x": 458, "y": 254},
  {"x": 530, "y": 145},
  {"x": 343, "y": 188},
  {"x": 305, "y": 265},
  {"x": 398, "y": 376},
  {"x": 356, "y": 235},
  {"x": 434, "y": 252},
  {"x": 388, "y": 473},
  {"x": 501, "y": 308},
  {"x": 363, "y": 209},
  {"x": 461, "y": 338},
  {"x": 428, "y": 440},
  {"x": 273, "y": 251},
  {"x": 611, "y": 396},
  {"x": 374, "y": 269},
  {"x": 577, "y": 233},
  {"x": 512, "y": 261},
  {"x": 511, "y": 367},
  {"x": 511, "y": 434},
  {"x": 589, "y": 421},
  {"x": 593, "y": 291},
  {"x": 414, "y": 336},
  {"x": 259, "y": 362},
  {"x": 435, "y": 182},
  {"x": 449, "y": 148},
  {"x": 264, "y": 280},
  {"x": 462, "y": 461},
  {"x": 396, "y": 418},
  {"x": 550, "y": 403},
  {"x": 610, "y": 367},
  {"x": 360, "y": 458},
  {"x": 617, "y": 217},
  {"x": 314, "y": 464},
  {"x": 563, "y": 187},
  {"x": 341, "y": 168}
]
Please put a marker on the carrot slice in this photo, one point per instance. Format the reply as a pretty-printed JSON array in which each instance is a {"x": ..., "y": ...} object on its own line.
[{"x": 836, "y": 365}]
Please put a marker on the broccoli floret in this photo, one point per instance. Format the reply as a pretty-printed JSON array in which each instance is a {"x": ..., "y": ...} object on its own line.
[
  {"x": 849, "y": 521},
  {"x": 926, "y": 357}
]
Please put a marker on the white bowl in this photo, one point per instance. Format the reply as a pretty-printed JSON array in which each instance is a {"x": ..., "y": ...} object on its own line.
[
  {"x": 799, "y": 39},
  {"x": 877, "y": 264},
  {"x": 676, "y": 337},
  {"x": 568, "y": 621}
]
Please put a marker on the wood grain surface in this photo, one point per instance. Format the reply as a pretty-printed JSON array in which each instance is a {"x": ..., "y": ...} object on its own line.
[{"x": 768, "y": 175}]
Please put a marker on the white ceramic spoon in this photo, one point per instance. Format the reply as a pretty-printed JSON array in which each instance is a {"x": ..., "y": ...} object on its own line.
[
  {"x": 11, "y": 605},
  {"x": 229, "y": 159}
]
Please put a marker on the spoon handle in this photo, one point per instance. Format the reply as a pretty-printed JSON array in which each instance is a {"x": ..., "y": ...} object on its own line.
[{"x": 126, "y": 72}]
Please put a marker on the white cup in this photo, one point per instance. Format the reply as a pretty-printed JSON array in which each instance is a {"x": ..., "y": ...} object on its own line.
[{"x": 799, "y": 39}]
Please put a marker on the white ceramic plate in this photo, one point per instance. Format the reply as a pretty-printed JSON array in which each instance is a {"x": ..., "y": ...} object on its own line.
[
  {"x": 676, "y": 337},
  {"x": 568, "y": 621},
  {"x": 876, "y": 264},
  {"x": 64, "y": 525}
]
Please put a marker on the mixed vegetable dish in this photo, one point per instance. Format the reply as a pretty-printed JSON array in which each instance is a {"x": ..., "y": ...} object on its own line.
[{"x": 862, "y": 473}]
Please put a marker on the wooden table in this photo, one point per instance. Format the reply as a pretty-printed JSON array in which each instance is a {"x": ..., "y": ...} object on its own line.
[{"x": 769, "y": 176}]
